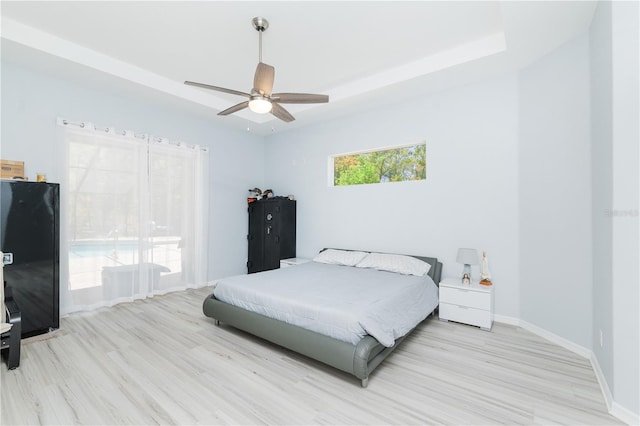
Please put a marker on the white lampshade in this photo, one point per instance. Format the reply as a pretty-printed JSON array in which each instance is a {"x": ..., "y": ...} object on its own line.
[
  {"x": 260, "y": 106},
  {"x": 467, "y": 256}
]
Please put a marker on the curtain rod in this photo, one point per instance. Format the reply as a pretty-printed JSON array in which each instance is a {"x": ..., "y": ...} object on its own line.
[
  {"x": 157, "y": 139},
  {"x": 104, "y": 129}
]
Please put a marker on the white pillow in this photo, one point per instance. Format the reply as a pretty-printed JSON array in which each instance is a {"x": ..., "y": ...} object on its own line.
[
  {"x": 406, "y": 265},
  {"x": 340, "y": 257}
]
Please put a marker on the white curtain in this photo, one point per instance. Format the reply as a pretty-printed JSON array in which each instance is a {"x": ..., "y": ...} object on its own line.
[{"x": 133, "y": 216}]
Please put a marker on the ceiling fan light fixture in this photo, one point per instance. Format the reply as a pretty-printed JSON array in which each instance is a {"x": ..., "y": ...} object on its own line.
[{"x": 260, "y": 105}]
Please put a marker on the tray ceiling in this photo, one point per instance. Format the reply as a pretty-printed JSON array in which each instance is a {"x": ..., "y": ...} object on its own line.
[{"x": 362, "y": 54}]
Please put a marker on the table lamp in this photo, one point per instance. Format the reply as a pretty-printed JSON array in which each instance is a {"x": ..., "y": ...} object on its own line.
[{"x": 468, "y": 257}]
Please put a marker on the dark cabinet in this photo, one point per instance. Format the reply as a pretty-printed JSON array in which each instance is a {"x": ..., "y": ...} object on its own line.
[
  {"x": 272, "y": 233},
  {"x": 30, "y": 236}
]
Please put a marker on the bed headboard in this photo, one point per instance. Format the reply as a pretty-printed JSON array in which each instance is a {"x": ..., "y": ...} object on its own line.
[{"x": 435, "y": 272}]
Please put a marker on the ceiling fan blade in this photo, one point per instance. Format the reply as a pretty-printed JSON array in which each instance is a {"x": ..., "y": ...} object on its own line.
[
  {"x": 281, "y": 113},
  {"x": 263, "y": 79},
  {"x": 219, "y": 89},
  {"x": 241, "y": 105},
  {"x": 300, "y": 98}
]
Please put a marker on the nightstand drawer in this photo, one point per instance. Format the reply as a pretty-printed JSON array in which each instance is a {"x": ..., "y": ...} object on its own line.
[
  {"x": 464, "y": 297},
  {"x": 472, "y": 316}
]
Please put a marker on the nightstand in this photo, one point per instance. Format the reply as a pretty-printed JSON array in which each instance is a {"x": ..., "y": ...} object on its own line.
[
  {"x": 468, "y": 304},
  {"x": 285, "y": 263}
]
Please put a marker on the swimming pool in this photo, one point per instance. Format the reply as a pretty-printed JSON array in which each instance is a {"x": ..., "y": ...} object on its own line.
[{"x": 98, "y": 248}]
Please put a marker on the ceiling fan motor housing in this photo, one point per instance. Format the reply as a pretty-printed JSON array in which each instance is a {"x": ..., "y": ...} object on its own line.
[{"x": 260, "y": 24}]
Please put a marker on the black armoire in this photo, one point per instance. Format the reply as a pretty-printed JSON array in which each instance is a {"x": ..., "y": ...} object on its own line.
[
  {"x": 272, "y": 233},
  {"x": 30, "y": 236}
]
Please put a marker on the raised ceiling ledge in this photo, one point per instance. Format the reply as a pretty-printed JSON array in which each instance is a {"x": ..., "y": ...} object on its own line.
[{"x": 45, "y": 42}]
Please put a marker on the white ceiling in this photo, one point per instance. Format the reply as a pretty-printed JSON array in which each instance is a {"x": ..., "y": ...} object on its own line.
[{"x": 361, "y": 54}]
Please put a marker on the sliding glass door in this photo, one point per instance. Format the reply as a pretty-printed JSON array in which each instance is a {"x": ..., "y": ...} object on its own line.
[{"x": 136, "y": 216}]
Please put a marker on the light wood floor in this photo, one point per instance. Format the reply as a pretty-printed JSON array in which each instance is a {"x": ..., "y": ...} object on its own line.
[{"x": 160, "y": 361}]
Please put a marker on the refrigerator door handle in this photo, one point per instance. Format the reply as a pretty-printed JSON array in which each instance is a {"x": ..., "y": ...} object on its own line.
[{"x": 7, "y": 258}]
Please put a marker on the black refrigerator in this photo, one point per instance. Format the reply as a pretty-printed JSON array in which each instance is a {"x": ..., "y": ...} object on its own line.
[{"x": 30, "y": 236}]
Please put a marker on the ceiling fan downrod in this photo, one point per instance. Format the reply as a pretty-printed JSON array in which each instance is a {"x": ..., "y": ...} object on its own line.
[{"x": 260, "y": 24}]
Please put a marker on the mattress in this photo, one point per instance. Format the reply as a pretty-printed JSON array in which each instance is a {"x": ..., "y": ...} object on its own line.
[{"x": 342, "y": 302}]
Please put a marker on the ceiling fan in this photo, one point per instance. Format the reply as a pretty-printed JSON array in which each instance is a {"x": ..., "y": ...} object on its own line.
[{"x": 261, "y": 100}]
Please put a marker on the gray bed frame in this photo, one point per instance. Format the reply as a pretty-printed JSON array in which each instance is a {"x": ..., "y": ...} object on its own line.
[{"x": 359, "y": 360}]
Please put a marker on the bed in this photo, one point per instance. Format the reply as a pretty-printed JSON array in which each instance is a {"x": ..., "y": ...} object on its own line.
[{"x": 296, "y": 308}]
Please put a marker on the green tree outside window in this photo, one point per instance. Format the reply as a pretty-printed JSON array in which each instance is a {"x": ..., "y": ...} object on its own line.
[{"x": 390, "y": 165}]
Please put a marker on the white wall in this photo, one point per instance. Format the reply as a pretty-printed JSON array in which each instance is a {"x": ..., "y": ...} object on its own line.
[
  {"x": 625, "y": 35},
  {"x": 32, "y": 99},
  {"x": 616, "y": 185},
  {"x": 555, "y": 193},
  {"x": 602, "y": 184},
  {"x": 468, "y": 200}
]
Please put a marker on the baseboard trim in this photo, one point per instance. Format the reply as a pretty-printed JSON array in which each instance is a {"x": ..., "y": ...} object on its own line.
[
  {"x": 567, "y": 344},
  {"x": 613, "y": 407},
  {"x": 507, "y": 320},
  {"x": 623, "y": 414},
  {"x": 604, "y": 386},
  {"x": 561, "y": 341}
]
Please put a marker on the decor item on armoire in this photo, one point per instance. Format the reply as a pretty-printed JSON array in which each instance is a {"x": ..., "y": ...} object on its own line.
[
  {"x": 261, "y": 100},
  {"x": 468, "y": 257},
  {"x": 258, "y": 194},
  {"x": 485, "y": 276},
  {"x": 272, "y": 233},
  {"x": 254, "y": 195},
  {"x": 30, "y": 232}
]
